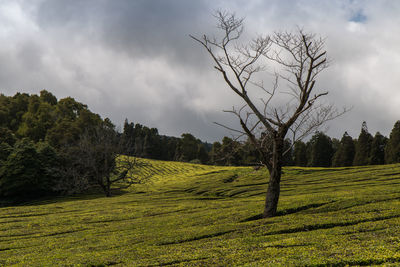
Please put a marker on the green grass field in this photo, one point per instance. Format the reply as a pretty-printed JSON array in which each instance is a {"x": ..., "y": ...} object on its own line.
[{"x": 195, "y": 215}]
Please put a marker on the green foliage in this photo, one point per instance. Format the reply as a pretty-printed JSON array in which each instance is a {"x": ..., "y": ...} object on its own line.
[
  {"x": 288, "y": 153},
  {"x": 12, "y": 109},
  {"x": 28, "y": 171},
  {"x": 392, "y": 151},
  {"x": 145, "y": 142},
  {"x": 300, "y": 154},
  {"x": 215, "y": 154},
  {"x": 363, "y": 147},
  {"x": 187, "y": 148},
  {"x": 5, "y": 151},
  {"x": 7, "y": 136},
  {"x": 202, "y": 154},
  {"x": 197, "y": 215},
  {"x": 344, "y": 156},
  {"x": 378, "y": 150},
  {"x": 48, "y": 97},
  {"x": 48, "y": 132},
  {"x": 321, "y": 150}
]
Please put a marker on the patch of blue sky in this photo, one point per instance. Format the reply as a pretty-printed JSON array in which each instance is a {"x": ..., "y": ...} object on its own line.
[{"x": 358, "y": 17}]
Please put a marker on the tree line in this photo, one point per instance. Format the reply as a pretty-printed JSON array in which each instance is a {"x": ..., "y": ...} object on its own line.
[
  {"x": 146, "y": 142},
  {"x": 50, "y": 146},
  {"x": 319, "y": 151}
]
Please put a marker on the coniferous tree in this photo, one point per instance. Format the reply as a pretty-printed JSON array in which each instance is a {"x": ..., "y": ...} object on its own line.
[
  {"x": 202, "y": 154},
  {"x": 288, "y": 154},
  {"x": 128, "y": 137},
  {"x": 171, "y": 146},
  {"x": 363, "y": 147},
  {"x": 249, "y": 155},
  {"x": 188, "y": 146},
  {"x": 300, "y": 154},
  {"x": 321, "y": 150},
  {"x": 378, "y": 145},
  {"x": 230, "y": 152},
  {"x": 392, "y": 151},
  {"x": 215, "y": 152},
  {"x": 344, "y": 156},
  {"x": 335, "y": 146}
]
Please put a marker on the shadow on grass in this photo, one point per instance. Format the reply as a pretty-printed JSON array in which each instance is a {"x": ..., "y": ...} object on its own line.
[
  {"x": 390, "y": 174},
  {"x": 287, "y": 246},
  {"x": 177, "y": 262},
  {"x": 314, "y": 227},
  {"x": 287, "y": 211},
  {"x": 196, "y": 238},
  {"x": 111, "y": 263},
  {"x": 90, "y": 195},
  {"x": 364, "y": 262}
]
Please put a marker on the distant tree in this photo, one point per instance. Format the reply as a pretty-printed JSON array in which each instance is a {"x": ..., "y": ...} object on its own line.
[
  {"x": 7, "y": 136},
  {"x": 48, "y": 97},
  {"x": 188, "y": 145},
  {"x": 5, "y": 151},
  {"x": 97, "y": 161},
  {"x": 363, "y": 147},
  {"x": 321, "y": 150},
  {"x": 344, "y": 156},
  {"x": 73, "y": 118},
  {"x": 26, "y": 174},
  {"x": 12, "y": 109},
  {"x": 202, "y": 154},
  {"x": 335, "y": 146},
  {"x": 41, "y": 117},
  {"x": 300, "y": 154},
  {"x": 287, "y": 159},
  {"x": 392, "y": 151},
  {"x": 152, "y": 144},
  {"x": 170, "y": 147},
  {"x": 377, "y": 156},
  {"x": 63, "y": 134},
  {"x": 128, "y": 137},
  {"x": 69, "y": 109},
  {"x": 215, "y": 154},
  {"x": 249, "y": 154},
  {"x": 50, "y": 167},
  {"x": 230, "y": 152}
]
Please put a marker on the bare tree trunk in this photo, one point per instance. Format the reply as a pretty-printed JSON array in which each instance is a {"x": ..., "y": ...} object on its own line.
[
  {"x": 108, "y": 188},
  {"x": 275, "y": 172}
]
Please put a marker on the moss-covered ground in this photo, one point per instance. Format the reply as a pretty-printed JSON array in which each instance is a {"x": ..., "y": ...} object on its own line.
[{"x": 196, "y": 215}]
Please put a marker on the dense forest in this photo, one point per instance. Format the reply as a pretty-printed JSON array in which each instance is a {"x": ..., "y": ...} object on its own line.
[{"x": 50, "y": 146}]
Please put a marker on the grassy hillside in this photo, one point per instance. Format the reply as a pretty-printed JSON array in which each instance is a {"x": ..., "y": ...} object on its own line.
[{"x": 195, "y": 215}]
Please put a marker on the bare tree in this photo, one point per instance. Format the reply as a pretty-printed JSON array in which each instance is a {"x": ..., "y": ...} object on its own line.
[
  {"x": 99, "y": 160},
  {"x": 300, "y": 57}
]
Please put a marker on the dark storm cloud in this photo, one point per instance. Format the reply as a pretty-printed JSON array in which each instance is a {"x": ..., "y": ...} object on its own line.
[
  {"x": 143, "y": 28},
  {"x": 133, "y": 58}
]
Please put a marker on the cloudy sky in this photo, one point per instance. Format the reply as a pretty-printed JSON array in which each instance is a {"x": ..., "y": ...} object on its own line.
[{"x": 133, "y": 58}]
